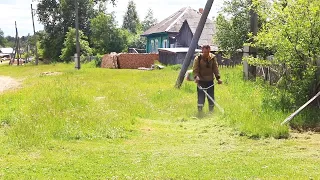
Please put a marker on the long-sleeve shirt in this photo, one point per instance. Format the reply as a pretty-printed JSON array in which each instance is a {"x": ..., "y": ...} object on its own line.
[{"x": 206, "y": 69}]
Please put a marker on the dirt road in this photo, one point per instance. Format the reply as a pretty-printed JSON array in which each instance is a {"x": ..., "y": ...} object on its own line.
[{"x": 7, "y": 83}]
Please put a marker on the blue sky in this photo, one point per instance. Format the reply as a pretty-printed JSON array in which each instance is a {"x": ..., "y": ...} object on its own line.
[{"x": 19, "y": 10}]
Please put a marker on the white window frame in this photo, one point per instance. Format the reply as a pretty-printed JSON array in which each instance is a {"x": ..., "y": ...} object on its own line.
[
  {"x": 156, "y": 45},
  {"x": 152, "y": 45},
  {"x": 165, "y": 43}
]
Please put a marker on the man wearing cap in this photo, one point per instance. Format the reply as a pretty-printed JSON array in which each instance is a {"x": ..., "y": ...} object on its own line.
[{"x": 205, "y": 70}]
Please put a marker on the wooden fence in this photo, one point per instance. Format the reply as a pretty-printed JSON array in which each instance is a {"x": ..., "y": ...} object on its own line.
[{"x": 235, "y": 60}]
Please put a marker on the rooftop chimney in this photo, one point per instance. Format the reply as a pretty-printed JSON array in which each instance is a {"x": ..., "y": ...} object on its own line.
[{"x": 201, "y": 10}]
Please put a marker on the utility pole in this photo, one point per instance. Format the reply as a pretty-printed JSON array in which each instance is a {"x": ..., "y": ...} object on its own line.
[
  {"x": 28, "y": 49},
  {"x": 78, "y": 66},
  {"x": 250, "y": 71},
  {"x": 194, "y": 43},
  {"x": 19, "y": 55},
  {"x": 17, "y": 45},
  {"x": 35, "y": 36}
]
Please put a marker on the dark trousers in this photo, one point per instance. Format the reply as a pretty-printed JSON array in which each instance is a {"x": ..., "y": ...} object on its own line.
[{"x": 202, "y": 95}]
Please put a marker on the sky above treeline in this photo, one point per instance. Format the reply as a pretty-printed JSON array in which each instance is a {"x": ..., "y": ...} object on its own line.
[{"x": 20, "y": 11}]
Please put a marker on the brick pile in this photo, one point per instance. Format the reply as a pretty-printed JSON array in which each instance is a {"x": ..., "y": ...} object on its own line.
[
  {"x": 135, "y": 61},
  {"x": 128, "y": 60},
  {"x": 110, "y": 61}
]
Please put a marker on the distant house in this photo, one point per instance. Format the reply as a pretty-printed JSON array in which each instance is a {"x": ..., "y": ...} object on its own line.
[
  {"x": 6, "y": 53},
  {"x": 177, "y": 31}
]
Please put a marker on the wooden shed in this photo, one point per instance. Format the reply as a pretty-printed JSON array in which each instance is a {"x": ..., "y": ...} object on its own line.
[{"x": 172, "y": 56}]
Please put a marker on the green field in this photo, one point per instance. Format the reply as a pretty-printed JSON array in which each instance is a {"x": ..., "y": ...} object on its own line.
[{"x": 130, "y": 124}]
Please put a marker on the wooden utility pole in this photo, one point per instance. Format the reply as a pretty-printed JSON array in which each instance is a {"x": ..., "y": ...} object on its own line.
[
  {"x": 194, "y": 43},
  {"x": 28, "y": 48},
  {"x": 249, "y": 70},
  {"x": 78, "y": 66},
  {"x": 15, "y": 47},
  {"x": 253, "y": 50},
  {"x": 35, "y": 36},
  {"x": 17, "y": 52}
]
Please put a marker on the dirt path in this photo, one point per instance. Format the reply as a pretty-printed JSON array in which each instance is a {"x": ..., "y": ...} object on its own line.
[{"x": 7, "y": 83}]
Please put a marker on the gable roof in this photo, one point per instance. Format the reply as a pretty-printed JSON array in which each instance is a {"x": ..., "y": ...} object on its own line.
[{"x": 174, "y": 23}]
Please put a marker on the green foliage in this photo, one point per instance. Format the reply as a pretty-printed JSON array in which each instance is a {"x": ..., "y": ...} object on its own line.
[
  {"x": 9, "y": 41},
  {"x": 58, "y": 16},
  {"x": 233, "y": 25},
  {"x": 98, "y": 60},
  {"x": 257, "y": 61},
  {"x": 70, "y": 45},
  {"x": 292, "y": 33},
  {"x": 40, "y": 50},
  {"x": 136, "y": 41},
  {"x": 25, "y": 55},
  {"x": 105, "y": 36},
  {"x": 2, "y": 39},
  {"x": 131, "y": 20},
  {"x": 149, "y": 20}
]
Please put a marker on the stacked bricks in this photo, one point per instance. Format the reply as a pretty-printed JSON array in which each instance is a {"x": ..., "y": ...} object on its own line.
[
  {"x": 135, "y": 61},
  {"x": 110, "y": 61},
  {"x": 129, "y": 61}
]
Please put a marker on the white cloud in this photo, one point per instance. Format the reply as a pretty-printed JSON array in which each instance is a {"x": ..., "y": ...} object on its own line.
[{"x": 19, "y": 10}]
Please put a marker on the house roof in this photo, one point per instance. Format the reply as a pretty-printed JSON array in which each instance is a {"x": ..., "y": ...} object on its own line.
[
  {"x": 178, "y": 50},
  {"x": 174, "y": 23},
  {"x": 6, "y": 50}
]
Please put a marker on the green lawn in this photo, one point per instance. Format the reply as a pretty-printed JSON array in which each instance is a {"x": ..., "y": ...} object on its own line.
[{"x": 129, "y": 124}]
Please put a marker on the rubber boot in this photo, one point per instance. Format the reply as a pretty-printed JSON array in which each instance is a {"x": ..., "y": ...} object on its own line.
[
  {"x": 211, "y": 108},
  {"x": 200, "y": 112}
]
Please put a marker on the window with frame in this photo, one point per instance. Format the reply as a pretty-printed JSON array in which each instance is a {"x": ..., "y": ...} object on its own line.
[
  {"x": 156, "y": 45},
  {"x": 165, "y": 43},
  {"x": 152, "y": 45}
]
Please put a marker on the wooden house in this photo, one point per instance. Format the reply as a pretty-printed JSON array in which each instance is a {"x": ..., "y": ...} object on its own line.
[
  {"x": 177, "y": 31},
  {"x": 6, "y": 53}
]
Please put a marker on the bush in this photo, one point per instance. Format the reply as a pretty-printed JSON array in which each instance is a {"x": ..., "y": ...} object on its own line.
[
  {"x": 70, "y": 45},
  {"x": 98, "y": 60}
]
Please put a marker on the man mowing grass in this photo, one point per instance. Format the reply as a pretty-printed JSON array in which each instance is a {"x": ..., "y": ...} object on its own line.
[{"x": 205, "y": 70}]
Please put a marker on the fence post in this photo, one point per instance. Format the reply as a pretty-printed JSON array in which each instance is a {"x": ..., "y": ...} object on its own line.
[
  {"x": 245, "y": 63},
  {"x": 76, "y": 61}
]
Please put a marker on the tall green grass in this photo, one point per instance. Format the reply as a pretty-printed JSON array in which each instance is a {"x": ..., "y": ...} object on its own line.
[
  {"x": 245, "y": 109},
  {"x": 107, "y": 104}
]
